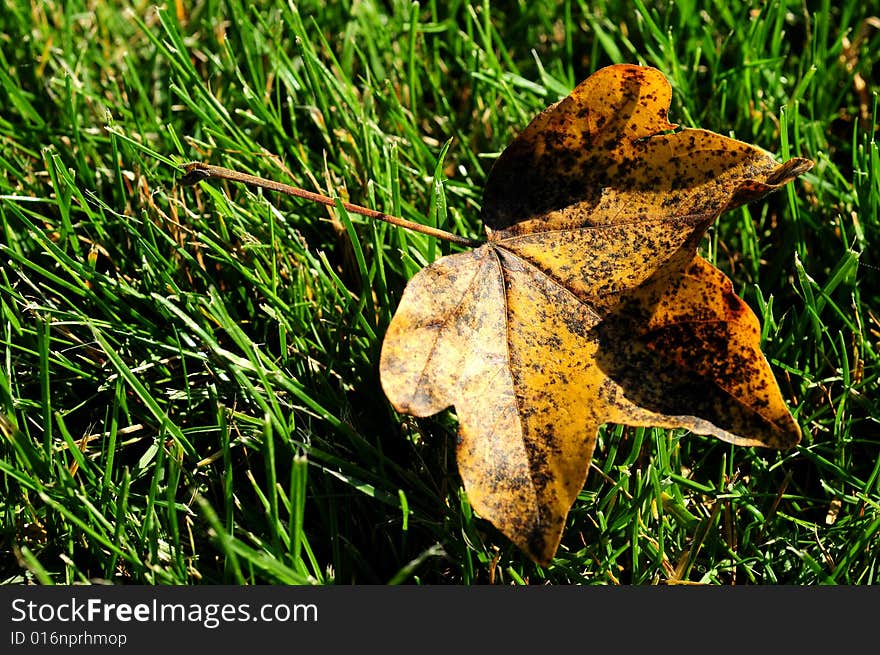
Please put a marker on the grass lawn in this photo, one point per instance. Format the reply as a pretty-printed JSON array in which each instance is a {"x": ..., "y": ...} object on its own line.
[{"x": 189, "y": 387}]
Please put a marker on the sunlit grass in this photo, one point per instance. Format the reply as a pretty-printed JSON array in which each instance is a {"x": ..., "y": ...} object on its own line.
[{"x": 188, "y": 377}]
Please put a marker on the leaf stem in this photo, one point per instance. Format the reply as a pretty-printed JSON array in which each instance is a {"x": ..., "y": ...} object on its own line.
[{"x": 198, "y": 171}]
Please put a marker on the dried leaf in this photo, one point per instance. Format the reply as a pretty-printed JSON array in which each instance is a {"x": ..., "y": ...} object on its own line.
[{"x": 588, "y": 304}]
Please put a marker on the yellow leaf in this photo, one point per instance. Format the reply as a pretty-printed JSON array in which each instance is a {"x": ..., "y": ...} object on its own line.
[{"x": 588, "y": 304}]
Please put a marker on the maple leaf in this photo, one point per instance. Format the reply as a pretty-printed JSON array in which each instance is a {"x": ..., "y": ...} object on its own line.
[{"x": 588, "y": 304}]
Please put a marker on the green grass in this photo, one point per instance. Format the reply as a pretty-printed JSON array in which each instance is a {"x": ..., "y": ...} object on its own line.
[{"x": 188, "y": 376}]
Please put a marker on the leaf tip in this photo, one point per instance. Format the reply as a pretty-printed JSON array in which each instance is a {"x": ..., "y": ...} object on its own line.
[{"x": 788, "y": 171}]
